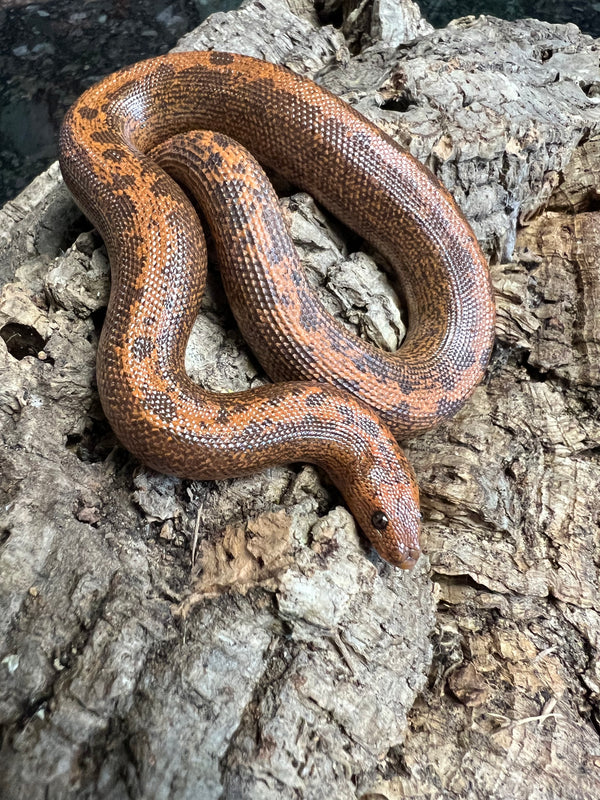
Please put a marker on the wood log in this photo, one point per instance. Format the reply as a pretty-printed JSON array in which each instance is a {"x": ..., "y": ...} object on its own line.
[{"x": 162, "y": 638}]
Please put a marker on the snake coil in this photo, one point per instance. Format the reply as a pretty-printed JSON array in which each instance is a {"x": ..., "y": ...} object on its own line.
[{"x": 338, "y": 401}]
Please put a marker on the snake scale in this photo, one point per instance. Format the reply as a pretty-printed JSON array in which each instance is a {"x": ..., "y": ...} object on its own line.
[{"x": 337, "y": 401}]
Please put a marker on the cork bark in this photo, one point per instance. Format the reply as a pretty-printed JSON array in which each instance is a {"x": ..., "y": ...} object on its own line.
[{"x": 237, "y": 639}]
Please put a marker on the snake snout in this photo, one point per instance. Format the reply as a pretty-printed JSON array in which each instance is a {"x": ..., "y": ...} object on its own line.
[
  {"x": 400, "y": 544},
  {"x": 405, "y": 559}
]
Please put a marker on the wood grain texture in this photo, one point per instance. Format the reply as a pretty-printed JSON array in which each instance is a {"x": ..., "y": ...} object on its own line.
[{"x": 261, "y": 654}]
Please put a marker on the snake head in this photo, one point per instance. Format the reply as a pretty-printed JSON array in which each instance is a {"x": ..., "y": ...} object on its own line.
[
  {"x": 395, "y": 533},
  {"x": 384, "y": 500}
]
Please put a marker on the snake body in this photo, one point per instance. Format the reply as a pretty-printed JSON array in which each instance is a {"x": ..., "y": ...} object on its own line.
[{"x": 117, "y": 144}]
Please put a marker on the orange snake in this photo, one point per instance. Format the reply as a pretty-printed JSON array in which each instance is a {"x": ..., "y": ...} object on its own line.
[{"x": 340, "y": 401}]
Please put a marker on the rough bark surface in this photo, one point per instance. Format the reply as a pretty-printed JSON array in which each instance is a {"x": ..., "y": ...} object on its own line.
[{"x": 170, "y": 639}]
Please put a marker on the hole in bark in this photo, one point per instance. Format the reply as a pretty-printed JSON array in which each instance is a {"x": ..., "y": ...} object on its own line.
[
  {"x": 328, "y": 15},
  {"x": 94, "y": 444},
  {"x": 400, "y": 102},
  {"x": 591, "y": 90},
  {"x": 394, "y": 763},
  {"x": 4, "y": 536},
  {"x": 76, "y": 225},
  {"x": 98, "y": 317},
  {"x": 21, "y": 340},
  {"x": 591, "y": 202}
]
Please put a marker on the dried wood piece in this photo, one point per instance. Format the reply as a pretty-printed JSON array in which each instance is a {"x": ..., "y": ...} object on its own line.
[{"x": 234, "y": 639}]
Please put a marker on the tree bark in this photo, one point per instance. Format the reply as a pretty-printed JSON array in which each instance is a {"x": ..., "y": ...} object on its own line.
[{"x": 237, "y": 639}]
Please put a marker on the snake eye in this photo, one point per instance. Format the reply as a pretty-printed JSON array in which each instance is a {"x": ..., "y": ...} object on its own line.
[{"x": 379, "y": 520}]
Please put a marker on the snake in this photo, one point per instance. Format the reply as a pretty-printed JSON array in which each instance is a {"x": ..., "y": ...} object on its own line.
[{"x": 211, "y": 121}]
